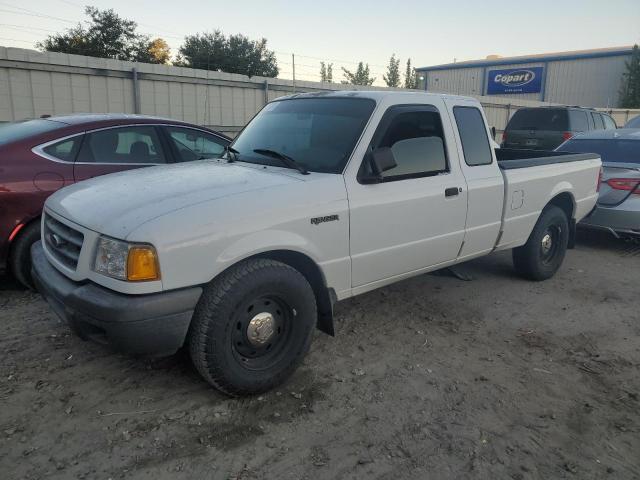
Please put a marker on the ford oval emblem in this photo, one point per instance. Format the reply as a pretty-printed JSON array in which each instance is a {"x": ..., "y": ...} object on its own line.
[{"x": 516, "y": 78}]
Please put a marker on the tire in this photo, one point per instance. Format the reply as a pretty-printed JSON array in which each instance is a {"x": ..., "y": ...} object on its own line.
[
  {"x": 541, "y": 257},
  {"x": 229, "y": 313},
  {"x": 20, "y": 254}
]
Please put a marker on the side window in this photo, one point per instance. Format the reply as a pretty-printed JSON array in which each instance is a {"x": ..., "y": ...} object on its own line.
[
  {"x": 597, "y": 119},
  {"x": 193, "y": 144},
  {"x": 126, "y": 145},
  {"x": 473, "y": 134},
  {"x": 579, "y": 121},
  {"x": 64, "y": 150},
  {"x": 416, "y": 139},
  {"x": 609, "y": 123}
]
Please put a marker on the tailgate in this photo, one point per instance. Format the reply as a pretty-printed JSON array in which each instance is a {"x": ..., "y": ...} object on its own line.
[{"x": 534, "y": 139}]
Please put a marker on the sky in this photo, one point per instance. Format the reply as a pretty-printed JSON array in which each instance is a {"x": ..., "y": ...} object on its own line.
[{"x": 345, "y": 32}]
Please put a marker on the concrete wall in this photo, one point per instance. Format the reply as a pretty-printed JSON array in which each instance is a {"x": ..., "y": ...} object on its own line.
[{"x": 34, "y": 84}]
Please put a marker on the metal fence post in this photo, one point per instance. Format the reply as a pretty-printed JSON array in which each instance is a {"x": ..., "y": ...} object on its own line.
[
  {"x": 266, "y": 92},
  {"x": 136, "y": 90}
]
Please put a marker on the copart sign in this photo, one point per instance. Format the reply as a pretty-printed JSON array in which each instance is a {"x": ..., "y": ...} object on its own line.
[{"x": 515, "y": 80}]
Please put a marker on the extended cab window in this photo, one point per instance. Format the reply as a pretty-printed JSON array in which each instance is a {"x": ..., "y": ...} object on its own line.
[
  {"x": 125, "y": 145},
  {"x": 473, "y": 134},
  {"x": 416, "y": 138},
  {"x": 64, "y": 150},
  {"x": 194, "y": 144}
]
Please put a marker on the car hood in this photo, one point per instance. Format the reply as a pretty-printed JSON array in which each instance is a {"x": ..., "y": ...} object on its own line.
[{"x": 116, "y": 204}]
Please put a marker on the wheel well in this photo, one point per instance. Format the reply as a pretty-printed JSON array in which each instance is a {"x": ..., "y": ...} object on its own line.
[
  {"x": 565, "y": 202},
  {"x": 21, "y": 232},
  {"x": 325, "y": 297}
]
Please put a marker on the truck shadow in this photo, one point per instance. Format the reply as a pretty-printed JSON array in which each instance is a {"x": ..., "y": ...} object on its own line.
[{"x": 8, "y": 283}]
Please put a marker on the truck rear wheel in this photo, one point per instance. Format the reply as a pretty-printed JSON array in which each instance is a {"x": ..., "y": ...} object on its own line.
[
  {"x": 541, "y": 257},
  {"x": 252, "y": 326}
]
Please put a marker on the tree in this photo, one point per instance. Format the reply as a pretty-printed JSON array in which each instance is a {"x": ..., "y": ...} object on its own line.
[
  {"x": 104, "y": 35},
  {"x": 156, "y": 51},
  {"x": 392, "y": 78},
  {"x": 410, "y": 80},
  {"x": 326, "y": 72},
  {"x": 232, "y": 54},
  {"x": 630, "y": 91},
  {"x": 361, "y": 77}
]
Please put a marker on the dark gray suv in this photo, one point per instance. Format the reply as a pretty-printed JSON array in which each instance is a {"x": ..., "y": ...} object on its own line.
[{"x": 545, "y": 128}]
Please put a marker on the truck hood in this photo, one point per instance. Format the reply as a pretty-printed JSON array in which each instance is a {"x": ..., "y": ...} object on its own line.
[{"x": 116, "y": 204}]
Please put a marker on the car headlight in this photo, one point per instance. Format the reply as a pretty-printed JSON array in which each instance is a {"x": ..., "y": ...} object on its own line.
[{"x": 126, "y": 261}]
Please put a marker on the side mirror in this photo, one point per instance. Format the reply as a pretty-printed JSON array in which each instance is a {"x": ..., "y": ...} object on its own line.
[
  {"x": 380, "y": 160},
  {"x": 493, "y": 132}
]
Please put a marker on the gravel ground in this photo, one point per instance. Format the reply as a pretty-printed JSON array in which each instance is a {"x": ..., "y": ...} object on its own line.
[{"x": 432, "y": 377}]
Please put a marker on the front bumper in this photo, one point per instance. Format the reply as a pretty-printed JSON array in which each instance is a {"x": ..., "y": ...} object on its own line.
[{"x": 152, "y": 324}]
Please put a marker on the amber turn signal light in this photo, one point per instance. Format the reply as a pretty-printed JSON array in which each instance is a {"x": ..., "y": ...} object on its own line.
[{"x": 142, "y": 264}]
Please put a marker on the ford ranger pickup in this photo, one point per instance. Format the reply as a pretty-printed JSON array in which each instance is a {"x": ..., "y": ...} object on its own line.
[{"x": 321, "y": 197}]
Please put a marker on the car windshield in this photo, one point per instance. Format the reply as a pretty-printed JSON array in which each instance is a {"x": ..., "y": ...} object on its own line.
[
  {"x": 319, "y": 134},
  {"x": 14, "y": 131},
  {"x": 610, "y": 150},
  {"x": 539, "y": 119},
  {"x": 633, "y": 123}
]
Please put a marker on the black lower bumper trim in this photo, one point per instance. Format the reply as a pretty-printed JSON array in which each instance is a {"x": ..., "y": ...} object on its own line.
[{"x": 151, "y": 324}]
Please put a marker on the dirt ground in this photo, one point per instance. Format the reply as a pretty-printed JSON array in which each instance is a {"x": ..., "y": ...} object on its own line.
[{"x": 433, "y": 377}]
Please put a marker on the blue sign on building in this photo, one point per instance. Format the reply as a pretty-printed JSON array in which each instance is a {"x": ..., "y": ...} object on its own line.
[{"x": 515, "y": 80}]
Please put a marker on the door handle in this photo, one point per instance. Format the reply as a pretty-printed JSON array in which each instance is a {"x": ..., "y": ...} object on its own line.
[{"x": 452, "y": 192}]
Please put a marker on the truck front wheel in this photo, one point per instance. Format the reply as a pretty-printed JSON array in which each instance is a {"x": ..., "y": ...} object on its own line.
[
  {"x": 541, "y": 257},
  {"x": 252, "y": 326}
]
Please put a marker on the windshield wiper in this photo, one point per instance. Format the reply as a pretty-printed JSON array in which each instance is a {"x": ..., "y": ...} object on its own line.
[
  {"x": 287, "y": 160},
  {"x": 229, "y": 150}
]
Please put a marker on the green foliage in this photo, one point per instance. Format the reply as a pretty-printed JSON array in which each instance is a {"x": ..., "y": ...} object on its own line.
[
  {"x": 105, "y": 35},
  {"x": 361, "y": 77},
  {"x": 232, "y": 54},
  {"x": 630, "y": 91},
  {"x": 410, "y": 79},
  {"x": 326, "y": 72},
  {"x": 392, "y": 78}
]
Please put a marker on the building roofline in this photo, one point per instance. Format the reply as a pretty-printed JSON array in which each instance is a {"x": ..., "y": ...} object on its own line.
[{"x": 552, "y": 57}]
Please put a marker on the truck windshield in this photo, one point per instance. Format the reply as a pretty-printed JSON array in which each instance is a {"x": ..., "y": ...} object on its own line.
[
  {"x": 319, "y": 133},
  {"x": 549, "y": 119},
  {"x": 611, "y": 151}
]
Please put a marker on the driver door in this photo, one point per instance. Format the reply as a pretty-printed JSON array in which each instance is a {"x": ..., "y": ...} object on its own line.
[{"x": 415, "y": 217}]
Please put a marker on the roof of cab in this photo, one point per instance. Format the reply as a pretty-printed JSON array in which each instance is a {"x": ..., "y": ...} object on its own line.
[{"x": 617, "y": 134}]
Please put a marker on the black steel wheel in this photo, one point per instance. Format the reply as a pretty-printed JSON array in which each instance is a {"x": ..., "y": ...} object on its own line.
[
  {"x": 252, "y": 326},
  {"x": 541, "y": 257}
]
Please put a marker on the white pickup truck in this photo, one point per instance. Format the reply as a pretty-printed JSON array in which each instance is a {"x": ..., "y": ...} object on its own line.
[{"x": 320, "y": 198}]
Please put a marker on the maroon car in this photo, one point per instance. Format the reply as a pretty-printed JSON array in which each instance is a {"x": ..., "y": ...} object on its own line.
[{"x": 38, "y": 157}]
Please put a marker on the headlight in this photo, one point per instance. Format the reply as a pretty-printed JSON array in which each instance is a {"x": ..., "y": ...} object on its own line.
[{"x": 126, "y": 261}]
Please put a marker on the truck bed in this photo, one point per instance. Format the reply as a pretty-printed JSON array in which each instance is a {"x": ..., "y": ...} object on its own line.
[{"x": 510, "y": 158}]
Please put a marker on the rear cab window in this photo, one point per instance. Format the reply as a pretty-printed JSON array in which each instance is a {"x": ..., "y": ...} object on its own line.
[
  {"x": 549, "y": 119},
  {"x": 473, "y": 134},
  {"x": 609, "y": 123}
]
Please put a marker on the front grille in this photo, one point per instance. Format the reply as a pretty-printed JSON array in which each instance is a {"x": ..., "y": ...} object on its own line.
[{"x": 62, "y": 241}]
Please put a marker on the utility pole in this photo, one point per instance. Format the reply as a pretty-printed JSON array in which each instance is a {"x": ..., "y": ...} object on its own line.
[{"x": 293, "y": 62}]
